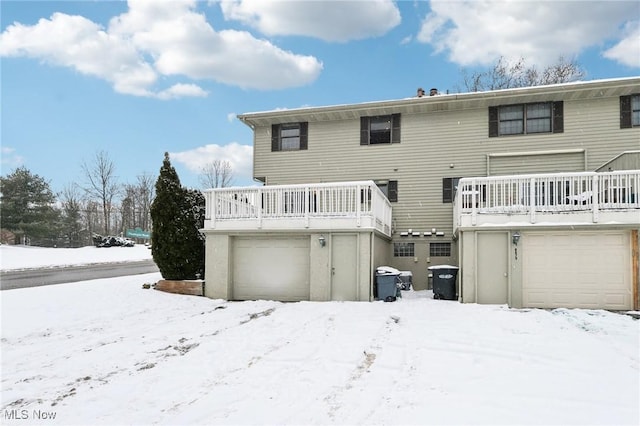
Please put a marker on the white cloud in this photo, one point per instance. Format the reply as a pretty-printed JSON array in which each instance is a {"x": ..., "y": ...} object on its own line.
[
  {"x": 627, "y": 51},
  {"x": 182, "y": 90},
  {"x": 153, "y": 39},
  {"x": 479, "y": 32},
  {"x": 9, "y": 157},
  {"x": 239, "y": 156},
  {"x": 231, "y": 117},
  {"x": 334, "y": 21},
  {"x": 78, "y": 43}
]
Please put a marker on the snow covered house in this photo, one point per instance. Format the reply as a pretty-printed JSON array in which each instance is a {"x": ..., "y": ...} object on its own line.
[{"x": 534, "y": 192}]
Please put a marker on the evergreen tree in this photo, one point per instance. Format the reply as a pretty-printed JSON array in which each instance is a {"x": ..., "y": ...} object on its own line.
[
  {"x": 176, "y": 214},
  {"x": 27, "y": 205}
]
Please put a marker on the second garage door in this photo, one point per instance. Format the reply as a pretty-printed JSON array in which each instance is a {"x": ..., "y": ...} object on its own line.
[
  {"x": 271, "y": 268},
  {"x": 577, "y": 270}
]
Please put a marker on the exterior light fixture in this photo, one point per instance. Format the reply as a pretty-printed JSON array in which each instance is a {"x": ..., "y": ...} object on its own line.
[
  {"x": 515, "y": 238},
  {"x": 322, "y": 241}
]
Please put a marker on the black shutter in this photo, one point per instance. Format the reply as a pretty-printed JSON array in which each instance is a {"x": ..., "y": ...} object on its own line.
[
  {"x": 303, "y": 135},
  {"x": 625, "y": 112},
  {"x": 447, "y": 190},
  {"x": 558, "y": 117},
  {"x": 494, "y": 122},
  {"x": 393, "y": 191},
  {"x": 395, "y": 128},
  {"x": 364, "y": 130},
  {"x": 275, "y": 137}
]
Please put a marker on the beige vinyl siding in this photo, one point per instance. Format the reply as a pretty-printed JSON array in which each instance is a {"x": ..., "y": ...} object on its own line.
[
  {"x": 629, "y": 160},
  {"x": 595, "y": 126},
  {"x": 552, "y": 162},
  {"x": 432, "y": 142},
  {"x": 450, "y": 142}
]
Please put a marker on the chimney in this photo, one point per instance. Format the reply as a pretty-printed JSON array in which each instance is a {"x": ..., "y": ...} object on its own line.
[
  {"x": 433, "y": 92},
  {"x": 420, "y": 92}
]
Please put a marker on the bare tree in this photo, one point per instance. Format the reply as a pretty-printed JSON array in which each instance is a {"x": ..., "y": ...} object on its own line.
[
  {"x": 102, "y": 184},
  {"x": 507, "y": 75},
  {"x": 216, "y": 174},
  {"x": 72, "y": 226},
  {"x": 128, "y": 207},
  {"x": 136, "y": 203},
  {"x": 145, "y": 186},
  {"x": 561, "y": 72}
]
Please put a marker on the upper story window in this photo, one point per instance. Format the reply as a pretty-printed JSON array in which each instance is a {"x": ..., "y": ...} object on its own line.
[
  {"x": 380, "y": 129},
  {"x": 520, "y": 119},
  {"x": 289, "y": 136},
  {"x": 629, "y": 111},
  {"x": 389, "y": 188},
  {"x": 449, "y": 186}
]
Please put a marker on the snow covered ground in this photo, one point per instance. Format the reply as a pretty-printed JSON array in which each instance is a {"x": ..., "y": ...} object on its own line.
[
  {"x": 26, "y": 257},
  {"x": 110, "y": 352}
]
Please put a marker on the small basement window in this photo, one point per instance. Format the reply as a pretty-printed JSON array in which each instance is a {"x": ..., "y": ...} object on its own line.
[
  {"x": 404, "y": 249},
  {"x": 440, "y": 249}
]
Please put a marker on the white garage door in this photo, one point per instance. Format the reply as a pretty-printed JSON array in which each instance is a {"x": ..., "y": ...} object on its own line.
[
  {"x": 271, "y": 268},
  {"x": 577, "y": 270}
]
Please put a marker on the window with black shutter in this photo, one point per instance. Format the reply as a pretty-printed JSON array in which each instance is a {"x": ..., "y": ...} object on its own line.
[
  {"x": 389, "y": 188},
  {"x": 629, "y": 111},
  {"x": 521, "y": 119},
  {"x": 380, "y": 129},
  {"x": 449, "y": 186},
  {"x": 289, "y": 136}
]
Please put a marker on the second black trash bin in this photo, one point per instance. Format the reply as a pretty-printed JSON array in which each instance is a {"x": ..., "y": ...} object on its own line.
[{"x": 444, "y": 281}]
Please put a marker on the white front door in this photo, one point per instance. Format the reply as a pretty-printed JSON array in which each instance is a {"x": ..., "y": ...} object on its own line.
[
  {"x": 493, "y": 268},
  {"x": 344, "y": 267}
]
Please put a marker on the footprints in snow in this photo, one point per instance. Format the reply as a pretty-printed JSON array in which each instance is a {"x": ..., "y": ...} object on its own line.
[{"x": 370, "y": 356}]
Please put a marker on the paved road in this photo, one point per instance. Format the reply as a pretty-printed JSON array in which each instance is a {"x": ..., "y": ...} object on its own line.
[{"x": 47, "y": 276}]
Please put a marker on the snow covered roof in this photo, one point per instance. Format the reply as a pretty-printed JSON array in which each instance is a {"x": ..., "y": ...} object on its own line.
[{"x": 448, "y": 102}]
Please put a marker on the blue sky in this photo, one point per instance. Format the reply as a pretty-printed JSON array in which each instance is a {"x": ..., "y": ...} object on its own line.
[{"x": 138, "y": 78}]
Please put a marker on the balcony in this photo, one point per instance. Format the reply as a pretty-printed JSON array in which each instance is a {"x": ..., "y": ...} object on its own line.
[
  {"x": 323, "y": 206},
  {"x": 549, "y": 199}
]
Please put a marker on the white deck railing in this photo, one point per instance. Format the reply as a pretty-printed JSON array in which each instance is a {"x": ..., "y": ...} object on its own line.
[
  {"x": 325, "y": 205},
  {"x": 548, "y": 194}
]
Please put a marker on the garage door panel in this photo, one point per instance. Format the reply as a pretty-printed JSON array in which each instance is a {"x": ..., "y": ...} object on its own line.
[
  {"x": 271, "y": 268},
  {"x": 577, "y": 269}
]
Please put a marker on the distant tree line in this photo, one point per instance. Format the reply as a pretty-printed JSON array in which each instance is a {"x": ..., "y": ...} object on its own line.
[
  {"x": 506, "y": 74},
  {"x": 32, "y": 214}
]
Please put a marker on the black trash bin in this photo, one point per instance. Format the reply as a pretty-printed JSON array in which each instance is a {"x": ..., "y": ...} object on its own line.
[
  {"x": 387, "y": 281},
  {"x": 444, "y": 281}
]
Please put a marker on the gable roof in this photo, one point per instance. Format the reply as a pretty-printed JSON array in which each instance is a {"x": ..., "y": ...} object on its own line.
[{"x": 449, "y": 102}]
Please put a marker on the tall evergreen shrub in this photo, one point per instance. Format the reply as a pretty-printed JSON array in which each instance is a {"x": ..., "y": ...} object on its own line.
[{"x": 177, "y": 214}]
